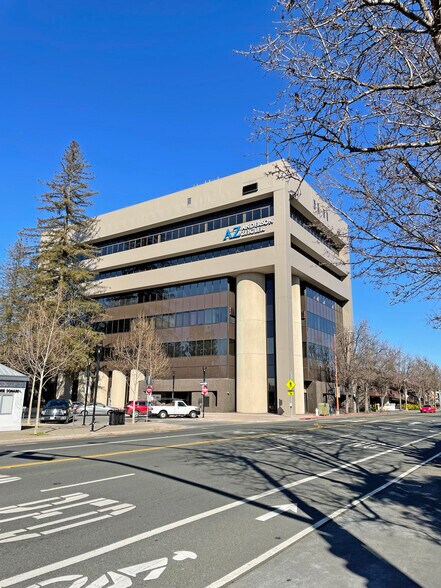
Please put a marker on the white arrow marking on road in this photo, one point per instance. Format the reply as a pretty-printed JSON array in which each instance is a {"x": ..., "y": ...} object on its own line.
[{"x": 278, "y": 510}]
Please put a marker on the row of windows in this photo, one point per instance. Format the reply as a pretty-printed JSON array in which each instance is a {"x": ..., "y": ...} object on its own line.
[
  {"x": 177, "y": 231},
  {"x": 318, "y": 352},
  {"x": 319, "y": 297},
  {"x": 167, "y": 293},
  {"x": 322, "y": 265},
  {"x": 320, "y": 324},
  {"x": 211, "y": 254},
  {"x": 200, "y": 348},
  {"x": 208, "y": 316},
  {"x": 314, "y": 231}
]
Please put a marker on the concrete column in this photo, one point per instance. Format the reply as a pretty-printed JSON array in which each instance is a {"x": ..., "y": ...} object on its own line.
[
  {"x": 64, "y": 386},
  {"x": 118, "y": 389},
  {"x": 299, "y": 392},
  {"x": 103, "y": 387},
  {"x": 251, "y": 368},
  {"x": 136, "y": 379}
]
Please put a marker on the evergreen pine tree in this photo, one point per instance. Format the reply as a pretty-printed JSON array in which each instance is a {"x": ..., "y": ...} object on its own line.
[
  {"x": 15, "y": 289},
  {"x": 65, "y": 261}
]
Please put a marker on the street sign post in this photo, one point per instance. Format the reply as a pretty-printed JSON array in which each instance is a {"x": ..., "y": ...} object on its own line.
[
  {"x": 290, "y": 385},
  {"x": 148, "y": 391},
  {"x": 204, "y": 390}
]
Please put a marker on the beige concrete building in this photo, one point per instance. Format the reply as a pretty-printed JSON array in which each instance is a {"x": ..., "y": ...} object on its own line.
[{"x": 248, "y": 281}]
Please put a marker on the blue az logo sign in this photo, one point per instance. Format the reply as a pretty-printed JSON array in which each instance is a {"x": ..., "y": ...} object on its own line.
[{"x": 232, "y": 235}]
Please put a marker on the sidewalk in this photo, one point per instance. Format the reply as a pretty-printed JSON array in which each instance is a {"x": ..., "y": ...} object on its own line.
[{"x": 61, "y": 431}]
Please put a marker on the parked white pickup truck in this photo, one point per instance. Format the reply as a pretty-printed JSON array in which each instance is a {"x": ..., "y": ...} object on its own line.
[{"x": 175, "y": 408}]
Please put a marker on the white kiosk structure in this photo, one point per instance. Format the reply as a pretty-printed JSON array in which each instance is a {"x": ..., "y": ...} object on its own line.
[{"x": 12, "y": 390}]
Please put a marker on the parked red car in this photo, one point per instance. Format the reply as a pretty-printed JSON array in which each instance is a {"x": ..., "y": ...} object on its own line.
[
  {"x": 141, "y": 407},
  {"x": 427, "y": 408}
]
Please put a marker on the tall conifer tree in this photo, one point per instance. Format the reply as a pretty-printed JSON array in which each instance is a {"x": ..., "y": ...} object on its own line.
[{"x": 65, "y": 260}]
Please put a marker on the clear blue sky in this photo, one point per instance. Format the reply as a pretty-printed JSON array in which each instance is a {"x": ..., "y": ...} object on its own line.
[{"x": 158, "y": 100}]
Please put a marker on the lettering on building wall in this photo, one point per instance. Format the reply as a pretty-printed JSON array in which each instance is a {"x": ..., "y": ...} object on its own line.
[
  {"x": 320, "y": 210},
  {"x": 252, "y": 228}
]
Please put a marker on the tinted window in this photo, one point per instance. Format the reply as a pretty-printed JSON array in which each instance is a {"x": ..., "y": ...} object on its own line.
[{"x": 57, "y": 404}]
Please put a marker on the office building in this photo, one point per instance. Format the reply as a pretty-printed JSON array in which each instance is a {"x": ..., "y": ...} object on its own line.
[{"x": 247, "y": 279}]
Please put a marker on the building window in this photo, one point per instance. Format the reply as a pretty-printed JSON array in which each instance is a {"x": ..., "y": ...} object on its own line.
[
  {"x": 6, "y": 403},
  {"x": 211, "y": 222},
  {"x": 210, "y": 254},
  {"x": 249, "y": 189}
]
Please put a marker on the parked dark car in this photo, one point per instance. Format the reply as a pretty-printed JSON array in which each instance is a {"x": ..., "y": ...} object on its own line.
[{"x": 57, "y": 410}]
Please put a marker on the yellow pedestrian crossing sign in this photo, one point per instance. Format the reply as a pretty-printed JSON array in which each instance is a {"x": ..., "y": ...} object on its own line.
[{"x": 290, "y": 384}]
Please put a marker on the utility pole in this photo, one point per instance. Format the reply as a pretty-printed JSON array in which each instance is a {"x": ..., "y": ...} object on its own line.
[
  {"x": 98, "y": 352},
  {"x": 337, "y": 404},
  {"x": 86, "y": 393}
]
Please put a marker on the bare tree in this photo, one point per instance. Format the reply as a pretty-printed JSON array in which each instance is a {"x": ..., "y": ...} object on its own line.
[
  {"x": 360, "y": 100},
  {"x": 141, "y": 351},
  {"x": 45, "y": 344},
  {"x": 357, "y": 352},
  {"x": 425, "y": 378}
]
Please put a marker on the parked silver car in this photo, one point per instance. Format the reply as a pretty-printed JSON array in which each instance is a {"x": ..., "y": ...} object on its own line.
[
  {"x": 100, "y": 408},
  {"x": 57, "y": 410}
]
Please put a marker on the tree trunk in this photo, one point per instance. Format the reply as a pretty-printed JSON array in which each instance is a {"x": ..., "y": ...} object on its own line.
[
  {"x": 37, "y": 416},
  {"x": 31, "y": 401}
]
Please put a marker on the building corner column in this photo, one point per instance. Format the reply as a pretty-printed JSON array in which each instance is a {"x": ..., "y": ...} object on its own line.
[
  {"x": 297, "y": 343},
  {"x": 251, "y": 360}
]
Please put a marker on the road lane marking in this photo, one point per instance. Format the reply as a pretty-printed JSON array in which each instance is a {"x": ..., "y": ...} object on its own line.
[
  {"x": 295, "y": 538},
  {"x": 7, "y": 479},
  {"x": 11, "y": 581},
  {"x": 155, "y": 568},
  {"x": 84, "y": 483},
  {"x": 140, "y": 450},
  {"x": 93, "y": 444},
  {"x": 282, "y": 508},
  {"x": 272, "y": 448},
  {"x": 96, "y": 509}
]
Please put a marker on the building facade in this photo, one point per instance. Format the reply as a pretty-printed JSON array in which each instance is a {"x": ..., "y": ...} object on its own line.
[{"x": 247, "y": 279}]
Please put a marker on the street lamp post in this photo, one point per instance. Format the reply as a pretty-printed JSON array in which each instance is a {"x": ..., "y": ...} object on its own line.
[
  {"x": 98, "y": 352},
  {"x": 86, "y": 393},
  {"x": 337, "y": 404}
]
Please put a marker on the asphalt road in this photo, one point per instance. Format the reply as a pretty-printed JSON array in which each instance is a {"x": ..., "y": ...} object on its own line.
[{"x": 355, "y": 502}]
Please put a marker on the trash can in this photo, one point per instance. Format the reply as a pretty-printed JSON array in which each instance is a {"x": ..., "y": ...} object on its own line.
[{"x": 117, "y": 417}]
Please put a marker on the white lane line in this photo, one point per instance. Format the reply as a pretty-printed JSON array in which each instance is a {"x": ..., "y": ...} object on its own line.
[
  {"x": 335, "y": 440},
  {"x": 12, "y": 580},
  {"x": 84, "y": 483},
  {"x": 295, "y": 538},
  {"x": 7, "y": 479},
  {"x": 272, "y": 448}
]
